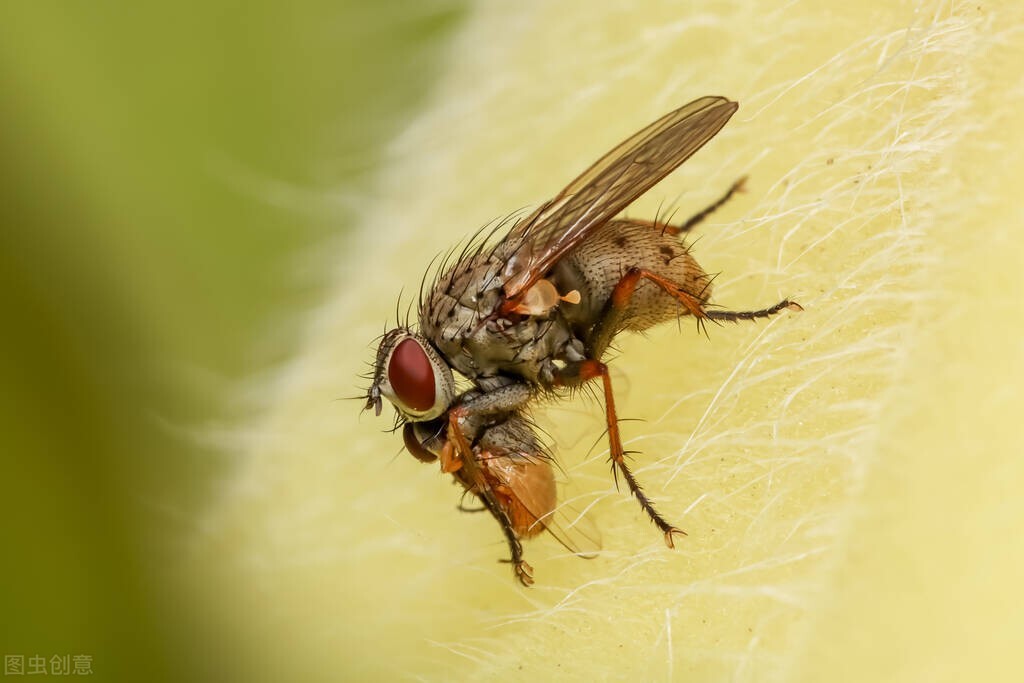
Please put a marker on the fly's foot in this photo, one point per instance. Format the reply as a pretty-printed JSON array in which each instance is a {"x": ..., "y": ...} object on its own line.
[
  {"x": 736, "y": 316},
  {"x": 669, "y": 540},
  {"x": 524, "y": 572}
]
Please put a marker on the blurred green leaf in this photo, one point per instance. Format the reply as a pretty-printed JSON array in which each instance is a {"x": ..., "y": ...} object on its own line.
[{"x": 145, "y": 272}]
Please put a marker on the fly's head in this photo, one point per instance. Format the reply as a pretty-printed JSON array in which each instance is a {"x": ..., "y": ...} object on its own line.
[{"x": 411, "y": 374}]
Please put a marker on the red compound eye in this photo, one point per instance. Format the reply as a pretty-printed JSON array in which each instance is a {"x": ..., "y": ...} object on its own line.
[{"x": 412, "y": 376}]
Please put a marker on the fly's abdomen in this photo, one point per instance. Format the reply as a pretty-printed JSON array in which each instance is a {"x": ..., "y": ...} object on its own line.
[{"x": 597, "y": 265}]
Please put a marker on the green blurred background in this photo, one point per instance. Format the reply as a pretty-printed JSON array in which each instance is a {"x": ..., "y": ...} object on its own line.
[{"x": 166, "y": 169}]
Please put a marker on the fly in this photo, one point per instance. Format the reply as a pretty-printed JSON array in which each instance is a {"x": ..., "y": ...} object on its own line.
[{"x": 533, "y": 313}]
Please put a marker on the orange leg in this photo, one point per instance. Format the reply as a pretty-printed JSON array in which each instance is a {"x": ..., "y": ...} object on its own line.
[
  {"x": 610, "y": 323},
  {"x": 575, "y": 374},
  {"x": 615, "y": 311},
  {"x": 578, "y": 373},
  {"x": 457, "y": 457}
]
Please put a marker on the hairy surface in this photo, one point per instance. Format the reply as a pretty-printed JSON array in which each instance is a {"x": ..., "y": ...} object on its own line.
[{"x": 786, "y": 449}]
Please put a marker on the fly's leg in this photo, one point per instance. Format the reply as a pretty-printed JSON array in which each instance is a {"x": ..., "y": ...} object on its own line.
[
  {"x": 522, "y": 569},
  {"x": 457, "y": 457},
  {"x": 468, "y": 471},
  {"x": 699, "y": 217},
  {"x": 615, "y": 311},
  {"x": 504, "y": 399},
  {"x": 611, "y": 321},
  {"x": 575, "y": 374},
  {"x": 736, "y": 316}
]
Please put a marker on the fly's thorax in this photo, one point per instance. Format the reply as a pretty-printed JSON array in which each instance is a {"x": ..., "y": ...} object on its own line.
[
  {"x": 458, "y": 316},
  {"x": 458, "y": 302},
  {"x": 527, "y": 348}
]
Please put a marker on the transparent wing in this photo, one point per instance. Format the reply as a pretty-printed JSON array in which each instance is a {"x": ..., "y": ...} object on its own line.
[
  {"x": 574, "y": 530},
  {"x": 571, "y": 528},
  {"x": 517, "y": 467},
  {"x": 609, "y": 186}
]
